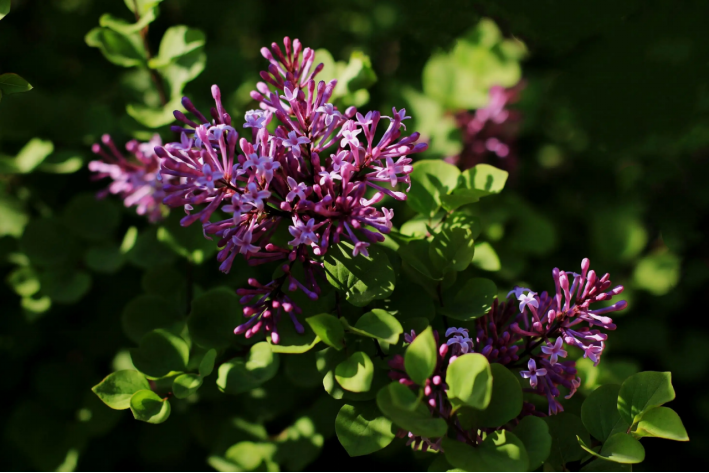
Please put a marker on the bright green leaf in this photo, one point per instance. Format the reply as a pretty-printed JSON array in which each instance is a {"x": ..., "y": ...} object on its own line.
[
  {"x": 421, "y": 357},
  {"x": 534, "y": 434},
  {"x": 159, "y": 353},
  {"x": 177, "y": 41},
  {"x": 116, "y": 389},
  {"x": 30, "y": 156},
  {"x": 291, "y": 341},
  {"x": 500, "y": 451},
  {"x": 485, "y": 257},
  {"x": 355, "y": 373},
  {"x": 469, "y": 380},
  {"x": 362, "y": 429},
  {"x": 643, "y": 391},
  {"x": 328, "y": 329},
  {"x": 24, "y": 281},
  {"x": 240, "y": 375},
  {"x": 452, "y": 250},
  {"x": 186, "y": 385},
  {"x": 206, "y": 366},
  {"x": 599, "y": 412},
  {"x": 4, "y": 8},
  {"x": 149, "y": 407},
  {"x": 379, "y": 324},
  {"x": 619, "y": 448},
  {"x": 125, "y": 28},
  {"x": 664, "y": 423},
  {"x": 401, "y": 405},
  {"x": 505, "y": 400},
  {"x": 126, "y": 51},
  {"x": 430, "y": 180},
  {"x": 362, "y": 278}
]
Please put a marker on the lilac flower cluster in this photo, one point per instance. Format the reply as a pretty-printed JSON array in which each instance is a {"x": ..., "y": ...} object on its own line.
[
  {"x": 491, "y": 130},
  {"x": 134, "y": 180},
  {"x": 319, "y": 169},
  {"x": 529, "y": 330}
]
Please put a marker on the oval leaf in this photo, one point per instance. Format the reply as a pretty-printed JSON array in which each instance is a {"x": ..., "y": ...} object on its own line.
[
  {"x": 186, "y": 384},
  {"x": 421, "y": 357},
  {"x": 328, "y": 329},
  {"x": 599, "y": 412},
  {"x": 643, "y": 391},
  {"x": 469, "y": 380},
  {"x": 149, "y": 407},
  {"x": 355, "y": 373},
  {"x": 664, "y": 423},
  {"x": 362, "y": 429},
  {"x": 159, "y": 353},
  {"x": 117, "y": 388}
]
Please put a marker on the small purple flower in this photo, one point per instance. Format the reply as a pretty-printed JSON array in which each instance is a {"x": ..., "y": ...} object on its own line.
[
  {"x": 297, "y": 189},
  {"x": 254, "y": 119},
  {"x": 533, "y": 372},
  {"x": 303, "y": 233},
  {"x": 527, "y": 299},
  {"x": 294, "y": 141},
  {"x": 555, "y": 351},
  {"x": 330, "y": 113},
  {"x": 244, "y": 243},
  {"x": 349, "y": 137}
]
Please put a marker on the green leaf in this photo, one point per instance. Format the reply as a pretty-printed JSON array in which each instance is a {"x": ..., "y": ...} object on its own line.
[
  {"x": 417, "y": 255},
  {"x": 500, "y": 451},
  {"x": 469, "y": 380},
  {"x": 12, "y": 83},
  {"x": 485, "y": 178},
  {"x": 65, "y": 285},
  {"x": 643, "y": 391},
  {"x": 125, "y": 28},
  {"x": 146, "y": 313},
  {"x": 187, "y": 242},
  {"x": 177, "y": 41},
  {"x": 430, "y": 180},
  {"x": 144, "y": 6},
  {"x": 421, "y": 357},
  {"x": 126, "y": 51},
  {"x": 104, "y": 259},
  {"x": 505, "y": 400},
  {"x": 183, "y": 69},
  {"x": 657, "y": 273},
  {"x": 92, "y": 219},
  {"x": 564, "y": 429},
  {"x": 361, "y": 429},
  {"x": 159, "y": 353},
  {"x": 4, "y": 8},
  {"x": 149, "y": 407},
  {"x": 328, "y": 329},
  {"x": 30, "y": 156},
  {"x": 470, "y": 300},
  {"x": 379, "y": 324},
  {"x": 154, "y": 117},
  {"x": 206, "y": 366},
  {"x": 291, "y": 341},
  {"x": 13, "y": 217},
  {"x": 355, "y": 373},
  {"x": 361, "y": 278},
  {"x": 214, "y": 316},
  {"x": 600, "y": 415},
  {"x": 664, "y": 423},
  {"x": 486, "y": 258},
  {"x": 452, "y": 250},
  {"x": 240, "y": 375},
  {"x": 186, "y": 385},
  {"x": 148, "y": 252},
  {"x": 116, "y": 389},
  {"x": 619, "y": 448},
  {"x": 599, "y": 464},
  {"x": 24, "y": 281},
  {"x": 534, "y": 434},
  {"x": 401, "y": 405}
]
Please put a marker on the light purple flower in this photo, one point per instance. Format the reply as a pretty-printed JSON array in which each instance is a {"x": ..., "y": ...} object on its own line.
[
  {"x": 254, "y": 119},
  {"x": 349, "y": 137},
  {"x": 533, "y": 372},
  {"x": 527, "y": 299},
  {"x": 303, "y": 233},
  {"x": 294, "y": 141},
  {"x": 330, "y": 113},
  {"x": 555, "y": 351},
  {"x": 255, "y": 197}
]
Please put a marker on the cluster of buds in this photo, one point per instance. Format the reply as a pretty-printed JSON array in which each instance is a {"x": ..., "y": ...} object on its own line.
[
  {"x": 319, "y": 169},
  {"x": 490, "y": 131},
  {"x": 134, "y": 178},
  {"x": 528, "y": 330}
]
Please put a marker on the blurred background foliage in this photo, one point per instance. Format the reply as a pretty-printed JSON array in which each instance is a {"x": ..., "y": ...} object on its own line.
[{"x": 611, "y": 159}]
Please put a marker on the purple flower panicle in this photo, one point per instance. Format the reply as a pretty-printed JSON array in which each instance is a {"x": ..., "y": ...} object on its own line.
[{"x": 134, "y": 178}]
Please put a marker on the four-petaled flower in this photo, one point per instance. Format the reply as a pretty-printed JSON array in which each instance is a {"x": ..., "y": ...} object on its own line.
[
  {"x": 349, "y": 137},
  {"x": 244, "y": 243},
  {"x": 255, "y": 197},
  {"x": 208, "y": 177},
  {"x": 297, "y": 189},
  {"x": 254, "y": 119},
  {"x": 294, "y": 141},
  {"x": 527, "y": 299},
  {"x": 338, "y": 160},
  {"x": 303, "y": 233},
  {"x": 533, "y": 372},
  {"x": 330, "y": 113},
  {"x": 555, "y": 351},
  {"x": 289, "y": 94},
  {"x": 326, "y": 177}
]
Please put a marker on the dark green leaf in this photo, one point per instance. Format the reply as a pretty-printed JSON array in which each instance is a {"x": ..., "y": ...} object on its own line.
[
  {"x": 148, "y": 252},
  {"x": 500, "y": 451},
  {"x": 159, "y": 353},
  {"x": 149, "y": 407},
  {"x": 362, "y": 278},
  {"x": 186, "y": 384},
  {"x": 430, "y": 180},
  {"x": 599, "y": 412},
  {"x": 90, "y": 218},
  {"x": 104, "y": 259},
  {"x": 355, "y": 373},
  {"x": 564, "y": 428},
  {"x": 401, "y": 405},
  {"x": 328, "y": 329},
  {"x": 421, "y": 357},
  {"x": 362, "y": 429},
  {"x": 12, "y": 83},
  {"x": 417, "y": 255},
  {"x": 4, "y": 8},
  {"x": 470, "y": 300},
  {"x": 126, "y": 51},
  {"x": 452, "y": 250},
  {"x": 65, "y": 286},
  {"x": 643, "y": 391},
  {"x": 146, "y": 313},
  {"x": 619, "y": 448},
  {"x": 214, "y": 316},
  {"x": 291, "y": 341},
  {"x": 206, "y": 366},
  {"x": 599, "y": 464},
  {"x": 469, "y": 380},
  {"x": 534, "y": 434},
  {"x": 664, "y": 423},
  {"x": 116, "y": 389},
  {"x": 240, "y": 375}
]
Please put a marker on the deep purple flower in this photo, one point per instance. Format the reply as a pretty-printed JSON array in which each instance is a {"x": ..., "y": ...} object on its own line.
[
  {"x": 533, "y": 372},
  {"x": 135, "y": 178}
]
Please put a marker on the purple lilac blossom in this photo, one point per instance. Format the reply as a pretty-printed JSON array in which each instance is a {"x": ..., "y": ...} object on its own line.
[
  {"x": 319, "y": 171},
  {"x": 134, "y": 178}
]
